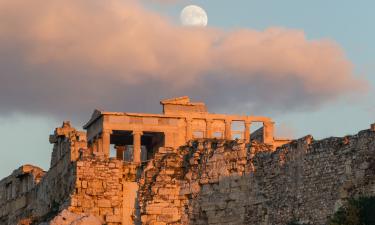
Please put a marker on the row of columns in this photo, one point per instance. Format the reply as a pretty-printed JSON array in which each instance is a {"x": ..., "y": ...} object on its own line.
[
  {"x": 267, "y": 130},
  {"x": 103, "y": 145}
]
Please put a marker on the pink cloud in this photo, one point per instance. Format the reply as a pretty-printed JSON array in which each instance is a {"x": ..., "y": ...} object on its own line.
[{"x": 68, "y": 57}]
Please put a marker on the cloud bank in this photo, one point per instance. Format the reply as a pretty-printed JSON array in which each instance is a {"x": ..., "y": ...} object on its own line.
[{"x": 65, "y": 58}]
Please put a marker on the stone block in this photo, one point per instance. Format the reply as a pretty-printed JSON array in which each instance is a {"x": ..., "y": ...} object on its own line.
[
  {"x": 113, "y": 219},
  {"x": 104, "y": 203},
  {"x": 106, "y": 211}
]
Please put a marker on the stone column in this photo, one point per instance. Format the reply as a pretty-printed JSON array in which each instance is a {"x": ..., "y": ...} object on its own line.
[
  {"x": 228, "y": 129},
  {"x": 120, "y": 152},
  {"x": 137, "y": 146},
  {"x": 268, "y": 129},
  {"x": 247, "y": 131},
  {"x": 94, "y": 145},
  {"x": 189, "y": 132},
  {"x": 106, "y": 142},
  {"x": 209, "y": 128}
]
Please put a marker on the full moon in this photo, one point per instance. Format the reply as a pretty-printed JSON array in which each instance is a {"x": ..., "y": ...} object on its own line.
[{"x": 193, "y": 15}]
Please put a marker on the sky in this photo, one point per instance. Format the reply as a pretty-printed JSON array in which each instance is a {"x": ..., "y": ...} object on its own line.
[{"x": 307, "y": 64}]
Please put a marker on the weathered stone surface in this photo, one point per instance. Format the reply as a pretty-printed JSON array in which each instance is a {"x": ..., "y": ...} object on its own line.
[
  {"x": 227, "y": 183},
  {"x": 69, "y": 218}
]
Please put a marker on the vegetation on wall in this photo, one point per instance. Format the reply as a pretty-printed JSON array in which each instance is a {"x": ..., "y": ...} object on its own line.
[{"x": 359, "y": 211}]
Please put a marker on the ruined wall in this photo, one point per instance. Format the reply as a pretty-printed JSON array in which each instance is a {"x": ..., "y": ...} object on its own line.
[
  {"x": 99, "y": 189},
  {"x": 215, "y": 182},
  {"x": 16, "y": 192},
  {"x": 309, "y": 179},
  {"x": 53, "y": 193},
  {"x": 36, "y": 195},
  {"x": 160, "y": 187},
  {"x": 78, "y": 181},
  {"x": 208, "y": 181}
]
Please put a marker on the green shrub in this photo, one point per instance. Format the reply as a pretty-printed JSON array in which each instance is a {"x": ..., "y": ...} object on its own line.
[{"x": 357, "y": 212}]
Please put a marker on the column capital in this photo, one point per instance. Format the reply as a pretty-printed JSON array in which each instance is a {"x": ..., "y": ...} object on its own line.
[
  {"x": 137, "y": 132},
  {"x": 106, "y": 131},
  {"x": 228, "y": 120},
  {"x": 209, "y": 120}
]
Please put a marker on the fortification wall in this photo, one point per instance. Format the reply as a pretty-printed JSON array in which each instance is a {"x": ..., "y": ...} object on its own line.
[
  {"x": 207, "y": 181},
  {"x": 210, "y": 182},
  {"x": 309, "y": 180},
  {"x": 78, "y": 181}
]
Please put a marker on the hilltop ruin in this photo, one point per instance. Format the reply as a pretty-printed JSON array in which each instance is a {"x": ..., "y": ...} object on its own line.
[{"x": 187, "y": 166}]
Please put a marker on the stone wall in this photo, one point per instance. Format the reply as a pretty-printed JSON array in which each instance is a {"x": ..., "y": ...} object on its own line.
[
  {"x": 16, "y": 192},
  {"x": 208, "y": 181},
  {"x": 309, "y": 180},
  {"x": 99, "y": 188},
  {"x": 216, "y": 182},
  {"x": 160, "y": 187}
]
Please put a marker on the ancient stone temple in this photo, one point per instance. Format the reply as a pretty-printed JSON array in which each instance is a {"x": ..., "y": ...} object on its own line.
[
  {"x": 180, "y": 122},
  {"x": 187, "y": 166}
]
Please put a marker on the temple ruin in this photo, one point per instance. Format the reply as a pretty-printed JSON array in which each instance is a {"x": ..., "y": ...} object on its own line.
[
  {"x": 137, "y": 136},
  {"x": 187, "y": 167}
]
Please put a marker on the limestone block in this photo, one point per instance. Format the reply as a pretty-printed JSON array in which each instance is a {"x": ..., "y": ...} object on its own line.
[
  {"x": 113, "y": 219},
  {"x": 84, "y": 184},
  {"x": 68, "y": 218},
  {"x": 104, "y": 203},
  {"x": 106, "y": 211}
]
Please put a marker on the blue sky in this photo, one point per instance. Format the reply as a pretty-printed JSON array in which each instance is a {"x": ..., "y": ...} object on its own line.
[{"x": 24, "y": 134}]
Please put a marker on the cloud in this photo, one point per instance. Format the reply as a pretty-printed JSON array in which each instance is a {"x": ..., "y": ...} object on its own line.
[
  {"x": 65, "y": 58},
  {"x": 168, "y": 1}
]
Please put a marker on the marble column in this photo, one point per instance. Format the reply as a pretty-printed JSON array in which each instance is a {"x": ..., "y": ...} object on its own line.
[
  {"x": 120, "y": 152},
  {"x": 105, "y": 142},
  {"x": 189, "y": 132},
  {"x": 268, "y": 130},
  {"x": 209, "y": 128},
  {"x": 137, "y": 146},
  {"x": 247, "y": 131},
  {"x": 228, "y": 129}
]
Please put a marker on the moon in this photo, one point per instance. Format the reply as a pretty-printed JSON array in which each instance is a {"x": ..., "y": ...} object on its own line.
[{"x": 194, "y": 16}]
